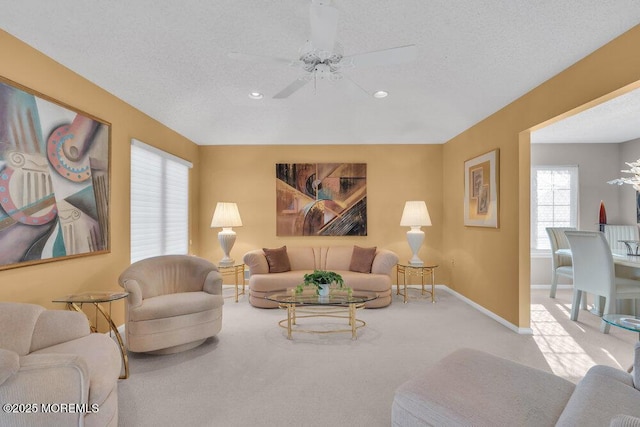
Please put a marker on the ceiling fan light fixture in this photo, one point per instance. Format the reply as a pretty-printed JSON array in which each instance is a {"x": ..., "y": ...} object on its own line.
[
  {"x": 256, "y": 95},
  {"x": 380, "y": 94}
]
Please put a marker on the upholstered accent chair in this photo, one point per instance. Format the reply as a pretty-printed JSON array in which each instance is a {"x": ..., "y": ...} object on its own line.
[
  {"x": 51, "y": 357},
  {"x": 174, "y": 303}
]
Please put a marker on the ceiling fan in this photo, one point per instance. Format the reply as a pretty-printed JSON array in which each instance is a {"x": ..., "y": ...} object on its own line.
[{"x": 322, "y": 58}]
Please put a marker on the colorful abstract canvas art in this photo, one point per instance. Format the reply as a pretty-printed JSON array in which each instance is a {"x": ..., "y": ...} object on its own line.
[
  {"x": 321, "y": 199},
  {"x": 54, "y": 180}
]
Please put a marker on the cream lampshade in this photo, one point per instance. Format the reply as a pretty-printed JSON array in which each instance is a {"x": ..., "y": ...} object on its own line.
[
  {"x": 415, "y": 215},
  {"x": 226, "y": 216}
]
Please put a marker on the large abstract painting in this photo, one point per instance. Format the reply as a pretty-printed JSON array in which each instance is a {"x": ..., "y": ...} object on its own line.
[
  {"x": 321, "y": 199},
  {"x": 54, "y": 180}
]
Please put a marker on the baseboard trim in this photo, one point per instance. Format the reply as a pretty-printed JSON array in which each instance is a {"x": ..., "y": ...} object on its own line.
[
  {"x": 503, "y": 322},
  {"x": 543, "y": 286}
]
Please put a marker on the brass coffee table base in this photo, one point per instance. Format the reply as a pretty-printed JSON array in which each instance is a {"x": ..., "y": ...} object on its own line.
[{"x": 317, "y": 311}]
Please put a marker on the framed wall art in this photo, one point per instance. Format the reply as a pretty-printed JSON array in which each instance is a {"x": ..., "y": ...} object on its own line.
[
  {"x": 481, "y": 192},
  {"x": 321, "y": 199},
  {"x": 54, "y": 179}
]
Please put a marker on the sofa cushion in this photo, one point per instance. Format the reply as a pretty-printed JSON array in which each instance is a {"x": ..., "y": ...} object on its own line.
[
  {"x": 362, "y": 259},
  {"x": 172, "y": 305},
  {"x": 603, "y": 393},
  {"x": 277, "y": 259}
]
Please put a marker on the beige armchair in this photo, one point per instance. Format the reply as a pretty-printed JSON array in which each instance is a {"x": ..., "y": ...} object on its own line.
[
  {"x": 174, "y": 303},
  {"x": 49, "y": 358}
]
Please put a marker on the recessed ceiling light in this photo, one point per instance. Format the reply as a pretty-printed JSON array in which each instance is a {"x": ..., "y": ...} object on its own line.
[
  {"x": 380, "y": 94},
  {"x": 255, "y": 95}
]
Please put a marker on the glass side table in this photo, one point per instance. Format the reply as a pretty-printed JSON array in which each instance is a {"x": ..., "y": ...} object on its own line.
[
  {"x": 421, "y": 271},
  {"x": 74, "y": 302},
  {"x": 237, "y": 271}
]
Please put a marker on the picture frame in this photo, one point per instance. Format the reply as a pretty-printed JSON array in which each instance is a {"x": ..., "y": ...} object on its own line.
[
  {"x": 321, "y": 199},
  {"x": 481, "y": 190},
  {"x": 55, "y": 174}
]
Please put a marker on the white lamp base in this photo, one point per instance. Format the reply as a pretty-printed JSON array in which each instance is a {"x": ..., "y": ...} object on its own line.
[
  {"x": 226, "y": 237},
  {"x": 415, "y": 237}
]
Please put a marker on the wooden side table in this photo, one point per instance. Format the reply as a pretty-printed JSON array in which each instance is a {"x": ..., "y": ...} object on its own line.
[
  {"x": 74, "y": 302},
  {"x": 421, "y": 271},
  {"x": 237, "y": 271}
]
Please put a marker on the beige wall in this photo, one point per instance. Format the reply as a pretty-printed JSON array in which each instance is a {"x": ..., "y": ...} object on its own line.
[
  {"x": 489, "y": 266},
  {"x": 41, "y": 283},
  {"x": 492, "y": 266},
  {"x": 395, "y": 173}
]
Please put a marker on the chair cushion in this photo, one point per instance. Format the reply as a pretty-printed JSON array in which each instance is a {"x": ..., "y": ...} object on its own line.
[
  {"x": 565, "y": 270},
  {"x": 362, "y": 259},
  {"x": 172, "y": 305},
  {"x": 470, "y": 387},
  {"x": 277, "y": 259}
]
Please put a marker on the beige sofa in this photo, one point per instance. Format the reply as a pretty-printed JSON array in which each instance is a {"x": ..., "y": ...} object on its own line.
[
  {"x": 470, "y": 387},
  {"x": 306, "y": 259},
  {"x": 49, "y": 357},
  {"x": 174, "y": 303}
]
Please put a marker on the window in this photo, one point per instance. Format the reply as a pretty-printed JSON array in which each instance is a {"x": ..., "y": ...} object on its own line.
[
  {"x": 159, "y": 202},
  {"x": 554, "y": 201}
]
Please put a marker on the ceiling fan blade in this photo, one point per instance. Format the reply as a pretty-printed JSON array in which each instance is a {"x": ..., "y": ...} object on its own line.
[
  {"x": 394, "y": 55},
  {"x": 293, "y": 87},
  {"x": 351, "y": 87},
  {"x": 324, "y": 26},
  {"x": 258, "y": 58}
]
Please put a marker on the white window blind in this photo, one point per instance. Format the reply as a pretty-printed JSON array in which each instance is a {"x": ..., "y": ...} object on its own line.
[
  {"x": 159, "y": 202},
  {"x": 554, "y": 201}
]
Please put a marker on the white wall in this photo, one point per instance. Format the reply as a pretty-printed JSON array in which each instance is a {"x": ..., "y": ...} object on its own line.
[
  {"x": 597, "y": 164},
  {"x": 629, "y": 152}
]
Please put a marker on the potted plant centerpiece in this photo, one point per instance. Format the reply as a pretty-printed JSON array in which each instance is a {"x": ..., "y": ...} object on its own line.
[{"x": 322, "y": 280}]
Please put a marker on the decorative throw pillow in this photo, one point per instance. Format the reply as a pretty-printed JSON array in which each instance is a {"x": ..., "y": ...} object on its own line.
[
  {"x": 277, "y": 259},
  {"x": 362, "y": 259}
]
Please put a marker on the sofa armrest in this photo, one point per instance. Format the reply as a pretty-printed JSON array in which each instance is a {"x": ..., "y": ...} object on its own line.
[
  {"x": 256, "y": 261},
  {"x": 384, "y": 262},
  {"x": 625, "y": 421},
  {"x": 134, "y": 299},
  {"x": 213, "y": 283},
  {"x": 46, "y": 379},
  {"x": 58, "y": 326},
  {"x": 9, "y": 364}
]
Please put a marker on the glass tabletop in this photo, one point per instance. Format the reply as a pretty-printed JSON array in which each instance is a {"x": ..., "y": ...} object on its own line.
[
  {"x": 92, "y": 297},
  {"x": 311, "y": 298},
  {"x": 625, "y": 321}
]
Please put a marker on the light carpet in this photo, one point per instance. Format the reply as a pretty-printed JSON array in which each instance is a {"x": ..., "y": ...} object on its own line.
[{"x": 251, "y": 375}]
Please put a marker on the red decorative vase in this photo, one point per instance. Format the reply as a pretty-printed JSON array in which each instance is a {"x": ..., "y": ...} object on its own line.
[{"x": 603, "y": 216}]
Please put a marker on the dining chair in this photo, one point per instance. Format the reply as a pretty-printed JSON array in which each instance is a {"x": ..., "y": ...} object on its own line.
[
  {"x": 593, "y": 272},
  {"x": 615, "y": 233},
  {"x": 560, "y": 264}
]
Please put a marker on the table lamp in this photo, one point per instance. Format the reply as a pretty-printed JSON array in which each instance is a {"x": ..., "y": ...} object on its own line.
[
  {"x": 415, "y": 215},
  {"x": 226, "y": 216}
]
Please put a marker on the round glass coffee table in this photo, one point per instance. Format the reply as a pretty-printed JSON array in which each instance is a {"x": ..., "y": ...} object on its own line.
[
  {"x": 624, "y": 321},
  {"x": 338, "y": 304}
]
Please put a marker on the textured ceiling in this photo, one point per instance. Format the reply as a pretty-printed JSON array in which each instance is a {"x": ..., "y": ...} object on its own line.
[
  {"x": 169, "y": 59},
  {"x": 614, "y": 121}
]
